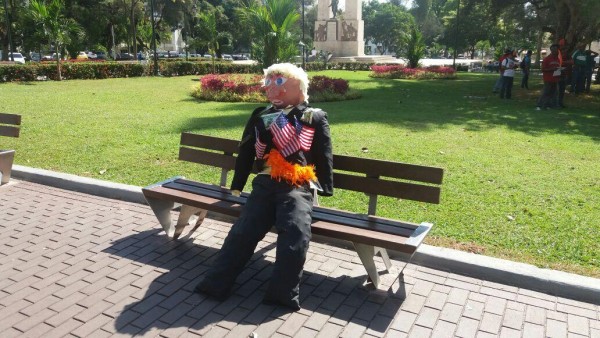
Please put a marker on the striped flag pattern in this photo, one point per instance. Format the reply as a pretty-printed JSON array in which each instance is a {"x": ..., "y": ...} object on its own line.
[
  {"x": 259, "y": 146},
  {"x": 288, "y": 137}
]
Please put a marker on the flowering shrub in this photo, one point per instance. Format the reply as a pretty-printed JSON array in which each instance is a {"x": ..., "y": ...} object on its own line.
[
  {"x": 247, "y": 88},
  {"x": 230, "y": 88},
  {"x": 401, "y": 72}
]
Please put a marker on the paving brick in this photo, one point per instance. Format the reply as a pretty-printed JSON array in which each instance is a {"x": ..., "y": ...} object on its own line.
[
  {"x": 413, "y": 303},
  {"x": 268, "y": 328},
  {"x": 64, "y": 315},
  {"x": 292, "y": 324},
  {"x": 495, "y": 305},
  {"x": 64, "y": 329},
  {"x": 419, "y": 331},
  {"x": 443, "y": 329},
  {"x": 508, "y": 332},
  {"x": 451, "y": 313},
  {"x": 556, "y": 328},
  {"x": 428, "y": 317},
  {"x": 404, "y": 321},
  {"x": 458, "y": 296},
  {"x": 354, "y": 329},
  {"x": 342, "y": 315},
  {"x": 467, "y": 327},
  {"x": 578, "y": 325},
  {"x": 28, "y": 323},
  {"x": 577, "y": 310},
  {"x": 491, "y": 323},
  {"x": 535, "y": 315},
  {"x": 91, "y": 325},
  {"x": 436, "y": 300},
  {"x": 473, "y": 309},
  {"x": 533, "y": 330}
]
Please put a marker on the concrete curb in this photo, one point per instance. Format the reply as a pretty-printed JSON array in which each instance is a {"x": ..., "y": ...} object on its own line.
[{"x": 557, "y": 283}]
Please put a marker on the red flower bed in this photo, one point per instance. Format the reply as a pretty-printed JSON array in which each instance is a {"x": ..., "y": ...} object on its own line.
[{"x": 247, "y": 88}]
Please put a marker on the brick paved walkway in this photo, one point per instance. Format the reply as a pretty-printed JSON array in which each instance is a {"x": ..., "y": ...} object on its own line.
[{"x": 77, "y": 265}]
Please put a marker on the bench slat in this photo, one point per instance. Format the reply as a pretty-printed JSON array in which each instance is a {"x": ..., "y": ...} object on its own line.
[
  {"x": 320, "y": 227},
  {"x": 13, "y": 119},
  {"x": 209, "y": 142},
  {"x": 226, "y": 162},
  {"x": 9, "y": 131},
  {"x": 411, "y": 191},
  {"x": 319, "y": 213},
  {"x": 362, "y": 236},
  {"x": 399, "y": 170},
  {"x": 220, "y": 206}
]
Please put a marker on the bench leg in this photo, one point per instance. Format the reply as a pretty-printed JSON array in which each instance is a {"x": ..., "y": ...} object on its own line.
[
  {"x": 6, "y": 162},
  {"x": 386, "y": 258},
  {"x": 162, "y": 210},
  {"x": 185, "y": 215},
  {"x": 366, "y": 253}
]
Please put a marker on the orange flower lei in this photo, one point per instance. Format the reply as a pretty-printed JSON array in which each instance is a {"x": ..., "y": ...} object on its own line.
[{"x": 294, "y": 174}]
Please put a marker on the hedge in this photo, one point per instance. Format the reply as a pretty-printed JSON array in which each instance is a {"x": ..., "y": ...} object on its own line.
[{"x": 103, "y": 70}]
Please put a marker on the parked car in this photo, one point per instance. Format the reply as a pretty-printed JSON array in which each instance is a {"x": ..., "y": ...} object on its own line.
[
  {"x": 17, "y": 57},
  {"x": 92, "y": 55},
  {"x": 125, "y": 56},
  {"x": 100, "y": 55},
  {"x": 227, "y": 57},
  {"x": 82, "y": 56}
]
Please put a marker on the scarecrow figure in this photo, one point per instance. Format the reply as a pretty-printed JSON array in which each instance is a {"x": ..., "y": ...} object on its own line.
[{"x": 292, "y": 143}]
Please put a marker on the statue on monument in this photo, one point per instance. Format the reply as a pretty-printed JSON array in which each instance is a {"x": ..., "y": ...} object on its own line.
[{"x": 334, "y": 7}]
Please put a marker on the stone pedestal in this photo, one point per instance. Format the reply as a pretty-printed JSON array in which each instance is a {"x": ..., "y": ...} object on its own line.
[{"x": 340, "y": 36}]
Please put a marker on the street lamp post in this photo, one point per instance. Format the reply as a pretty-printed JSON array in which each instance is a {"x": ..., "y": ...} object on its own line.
[
  {"x": 456, "y": 37},
  {"x": 8, "y": 24},
  {"x": 303, "y": 45},
  {"x": 155, "y": 71}
]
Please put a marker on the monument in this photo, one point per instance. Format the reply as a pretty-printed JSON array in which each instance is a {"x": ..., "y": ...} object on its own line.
[{"x": 340, "y": 35}]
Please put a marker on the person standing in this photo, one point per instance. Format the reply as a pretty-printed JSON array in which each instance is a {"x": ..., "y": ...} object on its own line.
[
  {"x": 498, "y": 84},
  {"x": 579, "y": 65},
  {"x": 589, "y": 69},
  {"x": 525, "y": 68},
  {"x": 508, "y": 75},
  {"x": 291, "y": 142},
  {"x": 566, "y": 74},
  {"x": 551, "y": 71}
]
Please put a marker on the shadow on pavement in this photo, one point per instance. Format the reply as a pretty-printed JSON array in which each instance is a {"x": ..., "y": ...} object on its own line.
[{"x": 174, "y": 267}]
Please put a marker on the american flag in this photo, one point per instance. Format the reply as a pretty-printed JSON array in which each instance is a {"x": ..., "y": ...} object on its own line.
[
  {"x": 259, "y": 146},
  {"x": 291, "y": 137}
]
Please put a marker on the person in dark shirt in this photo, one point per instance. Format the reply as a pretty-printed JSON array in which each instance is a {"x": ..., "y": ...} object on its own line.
[{"x": 292, "y": 144}]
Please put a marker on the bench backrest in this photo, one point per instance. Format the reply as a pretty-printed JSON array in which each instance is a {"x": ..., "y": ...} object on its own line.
[
  {"x": 9, "y": 124},
  {"x": 372, "y": 177}
]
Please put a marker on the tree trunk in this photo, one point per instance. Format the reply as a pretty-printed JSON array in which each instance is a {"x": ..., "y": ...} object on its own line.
[{"x": 58, "y": 72}]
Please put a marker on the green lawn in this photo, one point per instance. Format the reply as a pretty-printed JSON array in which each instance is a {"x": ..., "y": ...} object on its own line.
[{"x": 520, "y": 184}]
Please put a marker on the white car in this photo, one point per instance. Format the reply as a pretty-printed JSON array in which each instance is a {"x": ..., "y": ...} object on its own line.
[{"x": 18, "y": 58}]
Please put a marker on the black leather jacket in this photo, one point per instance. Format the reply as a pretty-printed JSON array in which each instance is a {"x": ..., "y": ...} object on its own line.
[{"x": 320, "y": 153}]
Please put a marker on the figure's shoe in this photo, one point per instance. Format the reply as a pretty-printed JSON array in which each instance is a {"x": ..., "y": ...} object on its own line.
[
  {"x": 204, "y": 288},
  {"x": 292, "y": 303}
]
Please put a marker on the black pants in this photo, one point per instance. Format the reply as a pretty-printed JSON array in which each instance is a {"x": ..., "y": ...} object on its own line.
[
  {"x": 546, "y": 100},
  {"x": 525, "y": 80},
  {"x": 507, "y": 84},
  {"x": 271, "y": 203}
]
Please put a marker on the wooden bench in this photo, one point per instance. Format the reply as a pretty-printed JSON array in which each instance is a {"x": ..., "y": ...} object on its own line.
[
  {"x": 369, "y": 234},
  {"x": 9, "y": 126}
]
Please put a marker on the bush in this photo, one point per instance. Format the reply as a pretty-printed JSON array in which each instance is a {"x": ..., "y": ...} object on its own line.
[
  {"x": 247, "y": 88},
  {"x": 70, "y": 71},
  {"x": 401, "y": 72}
]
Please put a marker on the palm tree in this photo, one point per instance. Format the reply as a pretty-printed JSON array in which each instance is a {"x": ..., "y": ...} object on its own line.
[
  {"x": 272, "y": 21},
  {"x": 56, "y": 26},
  {"x": 210, "y": 35}
]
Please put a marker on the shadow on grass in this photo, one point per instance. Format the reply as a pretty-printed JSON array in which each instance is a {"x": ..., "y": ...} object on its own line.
[
  {"x": 432, "y": 104},
  {"x": 170, "y": 302}
]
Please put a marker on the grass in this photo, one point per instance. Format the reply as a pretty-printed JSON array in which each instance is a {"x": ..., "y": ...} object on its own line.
[{"x": 519, "y": 184}]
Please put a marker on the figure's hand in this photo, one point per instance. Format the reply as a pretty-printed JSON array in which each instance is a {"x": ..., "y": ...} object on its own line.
[{"x": 236, "y": 193}]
